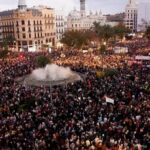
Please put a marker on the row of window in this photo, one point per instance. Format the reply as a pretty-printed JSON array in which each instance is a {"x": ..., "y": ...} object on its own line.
[
  {"x": 60, "y": 31},
  {"x": 49, "y": 34},
  {"x": 48, "y": 16},
  {"x": 24, "y": 35},
  {"x": 59, "y": 24},
  {"x": 23, "y": 22},
  {"x": 29, "y": 42},
  {"x": 59, "y": 17},
  {"x": 78, "y": 25},
  {"x": 29, "y": 29}
]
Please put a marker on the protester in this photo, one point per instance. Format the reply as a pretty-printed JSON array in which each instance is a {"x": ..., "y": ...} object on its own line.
[{"x": 76, "y": 116}]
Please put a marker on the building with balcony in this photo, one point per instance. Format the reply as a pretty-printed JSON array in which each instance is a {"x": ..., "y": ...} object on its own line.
[{"x": 29, "y": 27}]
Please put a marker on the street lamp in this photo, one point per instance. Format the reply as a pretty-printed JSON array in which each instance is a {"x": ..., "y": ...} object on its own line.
[{"x": 14, "y": 45}]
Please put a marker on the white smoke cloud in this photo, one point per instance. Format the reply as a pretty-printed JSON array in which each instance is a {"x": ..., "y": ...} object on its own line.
[{"x": 52, "y": 73}]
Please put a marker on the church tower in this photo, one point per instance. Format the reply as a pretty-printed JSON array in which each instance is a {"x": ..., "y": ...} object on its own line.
[
  {"x": 131, "y": 15},
  {"x": 132, "y": 2},
  {"x": 22, "y": 5},
  {"x": 82, "y": 8}
]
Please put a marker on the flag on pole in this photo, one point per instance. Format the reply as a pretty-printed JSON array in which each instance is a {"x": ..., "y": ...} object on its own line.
[{"x": 109, "y": 100}]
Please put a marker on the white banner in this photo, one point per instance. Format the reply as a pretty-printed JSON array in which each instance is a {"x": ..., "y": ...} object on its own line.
[
  {"x": 142, "y": 57},
  {"x": 109, "y": 100}
]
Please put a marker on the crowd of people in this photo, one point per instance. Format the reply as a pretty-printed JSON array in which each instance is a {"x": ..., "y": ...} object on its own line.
[
  {"x": 76, "y": 116},
  {"x": 137, "y": 45}
]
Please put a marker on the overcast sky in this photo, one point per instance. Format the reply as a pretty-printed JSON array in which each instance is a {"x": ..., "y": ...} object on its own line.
[{"x": 106, "y": 6}]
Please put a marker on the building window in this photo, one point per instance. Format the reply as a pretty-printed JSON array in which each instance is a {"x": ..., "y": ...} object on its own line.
[
  {"x": 23, "y": 22},
  {"x": 23, "y": 36},
  {"x": 29, "y": 23},
  {"x": 29, "y": 35},
  {"x": 17, "y": 23},
  {"x": 23, "y": 29},
  {"x": 30, "y": 43}
]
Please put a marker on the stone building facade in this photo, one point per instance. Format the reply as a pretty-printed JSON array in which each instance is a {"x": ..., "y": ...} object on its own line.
[
  {"x": 79, "y": 20},
  {"x": 131, "y": 15},
  {"x": 60, "y": 25},
  {"x": 30, "y": 28}
]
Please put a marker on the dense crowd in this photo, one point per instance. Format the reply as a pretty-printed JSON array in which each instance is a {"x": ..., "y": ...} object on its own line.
[
  {"x": 76, "y": 116},
  {"x": 137, "y": 45}
]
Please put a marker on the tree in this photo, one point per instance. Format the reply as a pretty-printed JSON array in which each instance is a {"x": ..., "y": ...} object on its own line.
[
  {"x": 147, "y": 33},
  {"x": 3, "y": 54},
  {"x": 5, "y": 44},
  {"x": 42, "y": 61},
  {"x": 107, "y": 32},
  {"x": 110, "y": 72},
  {"x": 75, "y": 38},
  {"x": 97, "y": 28},
  {"x": 10, "y": 39},
  {"x": 120, "y": 31},
  {"x": 103, "y": 32}
]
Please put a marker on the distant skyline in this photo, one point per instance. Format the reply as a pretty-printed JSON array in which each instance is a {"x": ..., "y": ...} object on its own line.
[{"x": 106, "y": 6}]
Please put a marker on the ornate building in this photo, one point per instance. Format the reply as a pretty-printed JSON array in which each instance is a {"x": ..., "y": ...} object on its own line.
[
  {"x": 131, "y": 15},
  {"x": 29, "y": 27},
  {"x": 78, "y": 20}
]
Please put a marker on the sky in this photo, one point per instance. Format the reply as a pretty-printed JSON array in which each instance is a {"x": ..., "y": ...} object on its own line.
[{"x": 106, "y": 6}]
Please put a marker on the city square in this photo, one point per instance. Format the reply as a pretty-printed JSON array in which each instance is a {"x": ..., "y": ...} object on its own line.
[{"x": 79, "y": 81}]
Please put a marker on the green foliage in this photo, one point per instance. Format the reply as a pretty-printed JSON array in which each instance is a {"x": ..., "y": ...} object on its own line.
[
  {"x": 110, "y": 72},
  {"x": 5, "y": 44},
  {"x": 120, "y": 31},
  {"x": 147, "y": 33},
  {"x": 42, "y": 61},
  {"x": 75, "y": 38},
  {"x": 98, "y": 32},
  {"x": 10, "y": 39},
  {"x": 106, "y": 32},
  {"x": 3, "y": 54}
]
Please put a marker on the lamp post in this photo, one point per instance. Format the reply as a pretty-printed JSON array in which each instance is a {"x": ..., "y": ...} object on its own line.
[
  {"x": 102, "y": 54},
  {"x": 14, "y": 45}
]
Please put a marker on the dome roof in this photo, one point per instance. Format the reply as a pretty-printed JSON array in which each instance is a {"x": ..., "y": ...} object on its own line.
[{"x": 75, "y": 14}]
